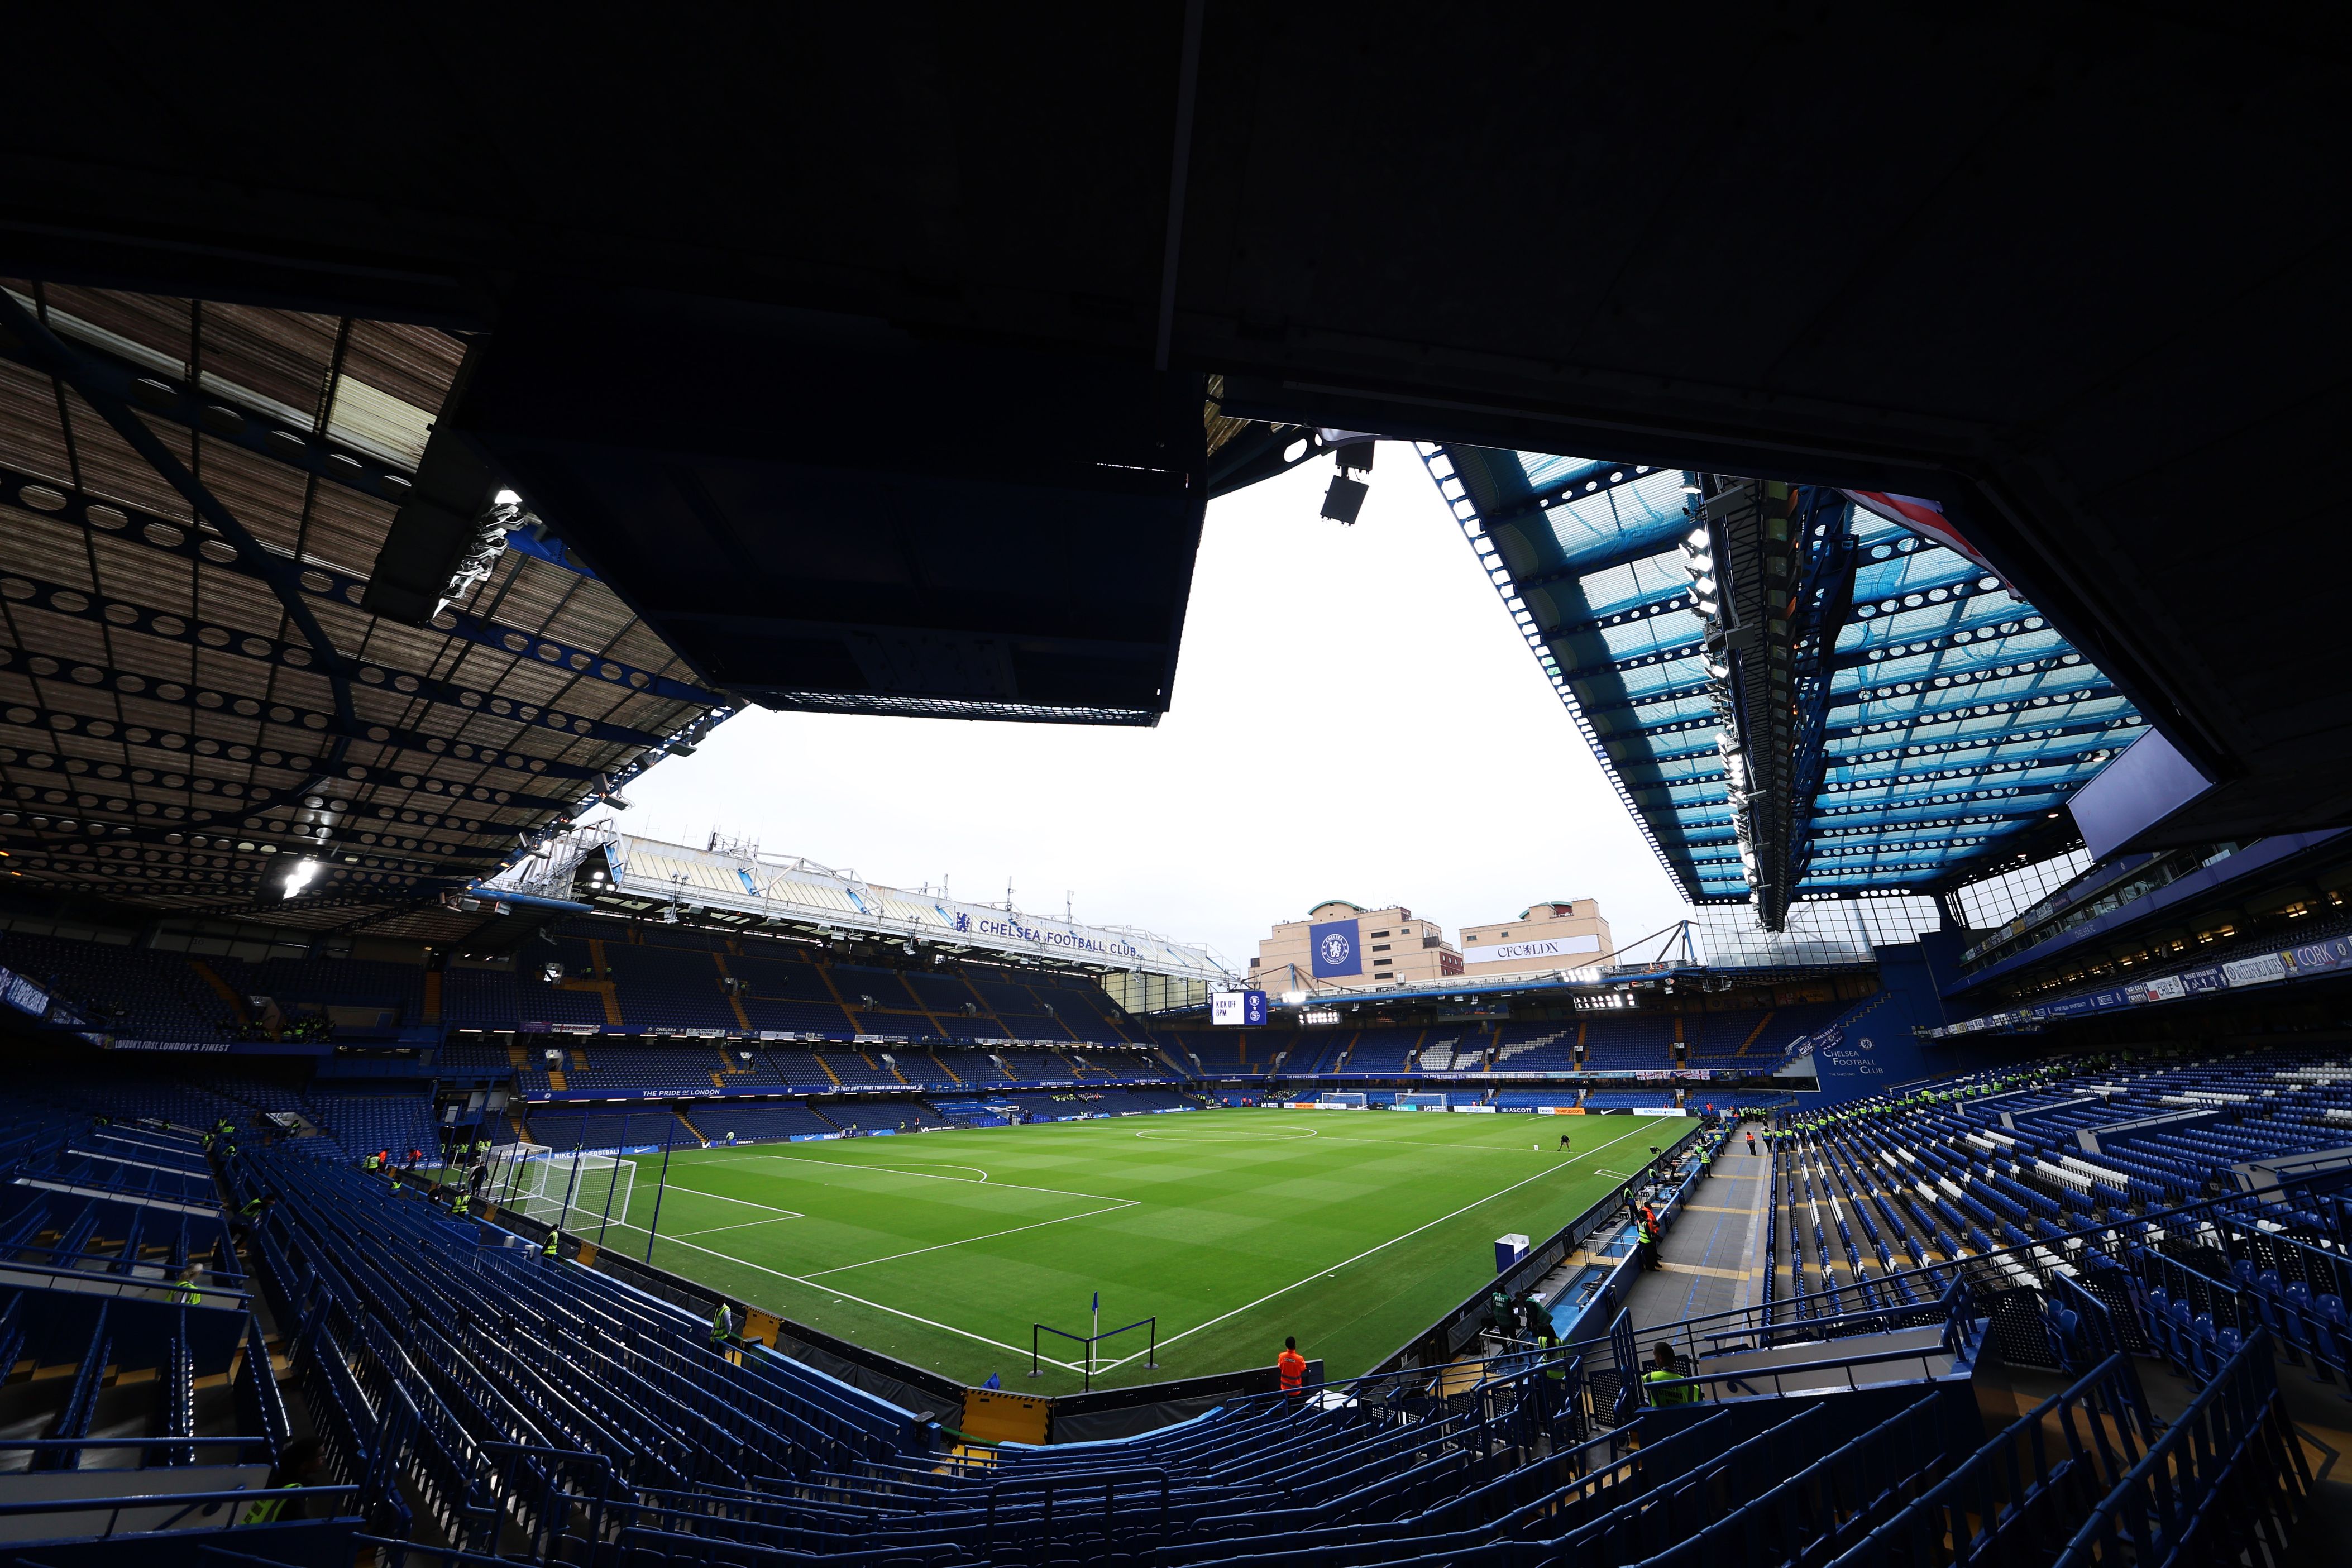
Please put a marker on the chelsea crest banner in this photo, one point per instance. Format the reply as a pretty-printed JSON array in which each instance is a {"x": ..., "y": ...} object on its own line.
[{"x": 1336, "y": 948}]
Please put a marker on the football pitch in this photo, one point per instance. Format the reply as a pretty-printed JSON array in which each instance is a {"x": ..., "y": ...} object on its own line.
[{"x": 1351, "y": 1230}]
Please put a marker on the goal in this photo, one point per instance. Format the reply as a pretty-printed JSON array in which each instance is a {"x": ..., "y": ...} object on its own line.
[
  {"x": 539, "y": 1182},
  {"x": 1345, "y": 1099},
  {"x": 1421, "y": 1102}
]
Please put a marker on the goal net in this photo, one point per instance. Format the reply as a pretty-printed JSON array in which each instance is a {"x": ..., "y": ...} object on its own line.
[
  {"x": 1423, "y": 1102},
  {"x": 541, "y": 1183},
  {"x": 1347, "y": 1100}
]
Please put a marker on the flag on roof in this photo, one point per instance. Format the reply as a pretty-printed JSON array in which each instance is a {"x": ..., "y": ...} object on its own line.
[{"x": 1921, "y": 516}]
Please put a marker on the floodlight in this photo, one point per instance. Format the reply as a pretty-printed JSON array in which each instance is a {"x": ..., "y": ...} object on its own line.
[
  {"x": 1293, "y": 998},
  {"x": 1345, "y": 500}
]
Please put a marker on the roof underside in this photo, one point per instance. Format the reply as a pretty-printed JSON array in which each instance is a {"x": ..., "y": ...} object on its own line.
[
  {"x": 190, "y": 698},
  {"x": 1956, "y": 721}
]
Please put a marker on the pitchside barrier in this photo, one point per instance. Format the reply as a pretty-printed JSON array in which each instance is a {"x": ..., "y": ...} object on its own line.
[{"x": 1441, "y": 1340}]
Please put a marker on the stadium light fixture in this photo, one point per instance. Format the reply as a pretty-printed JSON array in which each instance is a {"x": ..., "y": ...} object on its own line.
[
  {"x": 1345, "y": 500},
  {"x": 299, "y": 876}
]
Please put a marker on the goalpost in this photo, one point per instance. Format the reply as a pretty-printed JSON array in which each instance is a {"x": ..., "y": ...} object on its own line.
[
  {"x": 1351, "y": 1099},
  {"x": 543, "y": 1184},
  {"x": 1421, "y": 1102}
]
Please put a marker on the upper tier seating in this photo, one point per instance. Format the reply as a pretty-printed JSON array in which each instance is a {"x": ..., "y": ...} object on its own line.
[
  {"x": 141, "y": 992},
  {"x": 1625, "y": 1042}
]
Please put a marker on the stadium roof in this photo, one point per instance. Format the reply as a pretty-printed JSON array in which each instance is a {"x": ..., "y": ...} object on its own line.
[
  {"x": 1866, "y": 709},
  {"x": 736, "y": 885},
  {"x": 193, "y": 700}
]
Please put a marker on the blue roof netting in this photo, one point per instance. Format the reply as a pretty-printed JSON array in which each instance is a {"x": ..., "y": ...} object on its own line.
[{"x": 1945, "y": 717}]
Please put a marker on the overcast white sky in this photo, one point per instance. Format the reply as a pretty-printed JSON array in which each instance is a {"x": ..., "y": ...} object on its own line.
[{"x": 1355, "y": 717}]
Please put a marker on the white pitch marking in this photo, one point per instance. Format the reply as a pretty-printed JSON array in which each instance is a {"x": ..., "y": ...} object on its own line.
[
  {"x": 941, "y": 1246},
  {"x": 723, "y": 1197},
  {"x": 1229, "y": 1135},
  {"x": 1367, "y": 1252},
  {"x": 714, "y": 1230},
  {"x": 844, "y": 1296},
  {"x": 1005, "y": 1186},
  {"x": 924, "y": 1170}
]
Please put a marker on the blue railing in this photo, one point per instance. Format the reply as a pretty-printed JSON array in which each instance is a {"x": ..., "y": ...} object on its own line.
[
  {"x": 2230, "y": 1470},
  {"x": 2021, "y": 1495}
]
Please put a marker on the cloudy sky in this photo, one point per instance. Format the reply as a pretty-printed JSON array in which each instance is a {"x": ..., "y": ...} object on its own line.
[{"x": 1355, "y": 717}]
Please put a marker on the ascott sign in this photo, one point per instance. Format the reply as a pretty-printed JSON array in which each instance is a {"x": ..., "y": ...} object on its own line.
[
  {"x": 1520, "y": 951},
  {"x": 1240, "y": 1009}
]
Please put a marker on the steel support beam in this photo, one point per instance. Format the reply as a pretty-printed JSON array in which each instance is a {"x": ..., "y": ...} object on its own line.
[
  {"x": 2097, "y": 690},
  {"x": 130, "y": 525},
  {"x": 232, "y": 705},
  {"x": 98, "y": 387}
]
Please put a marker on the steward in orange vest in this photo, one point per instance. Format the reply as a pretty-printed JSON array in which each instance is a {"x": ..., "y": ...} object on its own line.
[{"x": 1293, "y": 1369}]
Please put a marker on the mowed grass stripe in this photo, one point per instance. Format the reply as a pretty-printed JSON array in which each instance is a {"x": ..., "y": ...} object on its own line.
[{"x": 1234, "y": 1227}]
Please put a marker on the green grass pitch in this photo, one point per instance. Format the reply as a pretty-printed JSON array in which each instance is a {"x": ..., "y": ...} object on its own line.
[{"x": 1353, "y": 1231}]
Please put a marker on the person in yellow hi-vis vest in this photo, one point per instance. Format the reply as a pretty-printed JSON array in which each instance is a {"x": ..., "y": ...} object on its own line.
[
  {"x": 302, "y": 1467},
  {"x": 1659, "y": 1382}
]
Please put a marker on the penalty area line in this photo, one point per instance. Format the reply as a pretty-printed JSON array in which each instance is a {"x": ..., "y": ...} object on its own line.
[
  {"x": 747, "y": 1203},
  {"x": 925, "y": 1176},
  {"x": 746, "y": 1225},
  {"x": 1116, "y": 1205},
  {"x": 876, "y": 1306}
]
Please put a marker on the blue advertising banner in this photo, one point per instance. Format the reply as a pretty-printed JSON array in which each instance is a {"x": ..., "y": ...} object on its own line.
[
  {"x": 1335, "y": 948},
  {"x": 2333, "y": 953},
  {"x": 2206, "y": 979}
]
